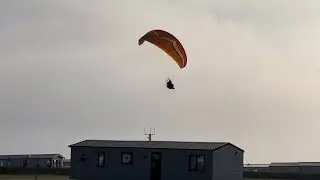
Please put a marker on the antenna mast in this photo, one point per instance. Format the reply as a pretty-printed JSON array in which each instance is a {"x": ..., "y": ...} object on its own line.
[{"x": 152, "y": 132}]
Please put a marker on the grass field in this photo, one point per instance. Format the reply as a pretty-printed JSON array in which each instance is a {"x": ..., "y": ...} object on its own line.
[
  {"x": 33, "y": 177},
  {"x": 55, "y": 177}
]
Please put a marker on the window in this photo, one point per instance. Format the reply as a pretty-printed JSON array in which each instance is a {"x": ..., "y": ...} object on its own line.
[
  {"x": 24, "y": 163},
  {"x": 48, "y": 163},
  {"x": 126, "y": 158},
  {"x": 58, "y": 163},
  {"x": 1, "y": 164},
  {"x": 9, "y": 163},
  {"x": 196, "y": 163},
  {"x": 101, "y": 159},
  {"x": 83, "y": 158},
  {"x": 38, "y": 163}
]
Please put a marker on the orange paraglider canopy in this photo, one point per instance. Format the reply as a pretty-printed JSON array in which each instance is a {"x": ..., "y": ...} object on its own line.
[{"x": 168, "y": 43}]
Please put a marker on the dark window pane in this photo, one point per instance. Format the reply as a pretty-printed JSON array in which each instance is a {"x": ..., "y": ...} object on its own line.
[
  {"x": 192, "y": 163},
  {"x": 126, "y": 158},
  {"x": 101, "y": 159},
  {"x": 24, "y": 163},
  {"x": 200, "y": 163},
  {"x": 48, "y": 163}
]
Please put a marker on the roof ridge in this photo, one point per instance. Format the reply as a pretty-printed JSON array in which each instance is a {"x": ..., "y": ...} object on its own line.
[
  {"x": 177, "y": 141},
  {"x": 192, "y": 145}
]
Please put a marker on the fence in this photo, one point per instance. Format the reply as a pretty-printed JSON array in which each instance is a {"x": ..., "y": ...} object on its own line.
[
  {"x": 34, "y": 171},
  {"x": 33, "y": 177}
]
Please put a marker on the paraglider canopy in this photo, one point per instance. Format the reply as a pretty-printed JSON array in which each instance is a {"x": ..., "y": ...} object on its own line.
[{"x": 168, "y": 43}]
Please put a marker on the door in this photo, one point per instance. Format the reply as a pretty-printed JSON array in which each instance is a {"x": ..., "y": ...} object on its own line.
[{"x": 155, "y": 166}]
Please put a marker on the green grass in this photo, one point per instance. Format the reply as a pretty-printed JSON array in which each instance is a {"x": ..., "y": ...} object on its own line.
[{"x": 33, "y": 177}]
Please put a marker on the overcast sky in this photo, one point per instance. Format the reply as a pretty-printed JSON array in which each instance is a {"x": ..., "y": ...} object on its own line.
[{"x": 73, "y": 70}]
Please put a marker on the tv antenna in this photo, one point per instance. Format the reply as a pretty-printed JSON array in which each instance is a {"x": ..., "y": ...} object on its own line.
[{"x": 150, "y": 133}]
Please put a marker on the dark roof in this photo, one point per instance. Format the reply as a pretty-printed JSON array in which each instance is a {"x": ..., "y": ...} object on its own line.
[
  {"x": 152, "y": 144},
  {"x": 30, "y": 156}
]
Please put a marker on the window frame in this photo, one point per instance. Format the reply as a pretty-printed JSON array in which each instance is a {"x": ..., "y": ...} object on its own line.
[
  {"x": 127, "y": 153},
  {"x": 196, "y": 168},
  {"x": 104, "y": 159}
]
